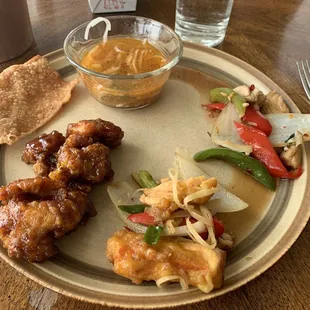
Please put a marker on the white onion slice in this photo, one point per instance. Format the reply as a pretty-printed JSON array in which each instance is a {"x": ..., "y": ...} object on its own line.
[
  {"x": 182, "y": 231},
  {"x": 96, "y": 21},
  {"x": 222, "y": 201},
  {"x": 123, "y": 193},
  {"x": 286, "y": 124},
  {"x": 224, "y": 132}
]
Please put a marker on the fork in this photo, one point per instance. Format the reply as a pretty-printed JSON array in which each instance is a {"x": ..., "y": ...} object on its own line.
[{"x": 304, "y": 74}]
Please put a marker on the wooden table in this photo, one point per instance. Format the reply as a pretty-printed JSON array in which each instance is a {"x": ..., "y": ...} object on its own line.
[{"x": 270, "y": 35}]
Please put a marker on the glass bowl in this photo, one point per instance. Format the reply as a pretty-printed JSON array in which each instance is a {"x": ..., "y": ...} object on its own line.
[{"x": 125, "y": 91}]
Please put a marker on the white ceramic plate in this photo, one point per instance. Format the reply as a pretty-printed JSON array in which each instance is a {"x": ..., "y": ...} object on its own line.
[{"x": 264, "y": 231}]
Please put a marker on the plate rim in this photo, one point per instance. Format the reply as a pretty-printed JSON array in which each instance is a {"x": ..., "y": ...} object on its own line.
[{"x": 267, "y": 261}]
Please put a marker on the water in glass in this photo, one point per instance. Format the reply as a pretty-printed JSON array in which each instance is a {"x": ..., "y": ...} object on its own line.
[{"x": 203, "y": 21}]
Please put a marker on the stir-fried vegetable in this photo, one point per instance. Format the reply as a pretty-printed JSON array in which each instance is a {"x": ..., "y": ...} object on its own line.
[
  {"x": 214, "y": 106},
  {"x": 258, "y": 120},
  {"x": 249, "y": 165},
  {"x": 143, "y": 218},
  {"x": 146, "y": 179},
  {"x": 152, "y": 234},
  {"x": 218, "y": 227},
  {"x": 252, "y": 116},
  {"x": 225, "y": 133},
  {"x": 122, "y": 193},
  {"x": 264, "y": 151},
  {"x": 226, "y": 95},
  {"x": 221, "y": 202},
  {"x": 132, "y": 209}
]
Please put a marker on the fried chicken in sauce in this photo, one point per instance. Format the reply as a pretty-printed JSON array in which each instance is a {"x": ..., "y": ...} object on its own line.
[
  {"x": 136, "y": 260},
  {"x": 88, "y": 164},
  {"x": 37, "y": 211},
  {"x": 82, "y": 156},
  {"x": 42, "y": 151},
  {"x": 97, "y": 131}
]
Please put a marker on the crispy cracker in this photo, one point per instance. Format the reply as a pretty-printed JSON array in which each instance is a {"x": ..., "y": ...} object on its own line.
[{"x": 30, "y": 95}]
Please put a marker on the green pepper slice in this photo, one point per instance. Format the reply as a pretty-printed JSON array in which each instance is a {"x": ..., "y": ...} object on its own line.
[
  {"x": 132, "y": 209},
  {"x": 225, "y": 95},
  {"x": 152, "y": 234},
  {"x": 249, "y": 165},
  {"x": 146, "y": 179}
]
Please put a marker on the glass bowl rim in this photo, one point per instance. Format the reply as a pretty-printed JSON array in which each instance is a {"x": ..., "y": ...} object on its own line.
[{"x": 158, "y": 71}]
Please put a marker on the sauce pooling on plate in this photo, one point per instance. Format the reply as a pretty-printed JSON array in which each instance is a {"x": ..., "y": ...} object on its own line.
[{"x": 125, "y": 56}]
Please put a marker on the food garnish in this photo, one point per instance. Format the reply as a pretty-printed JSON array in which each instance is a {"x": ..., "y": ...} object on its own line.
[
  {"x": 249, "y": 165},
  {"x": 30, "y": 95}
]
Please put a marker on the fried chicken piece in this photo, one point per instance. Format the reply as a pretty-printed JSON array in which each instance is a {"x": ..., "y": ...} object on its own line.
[
  {"x": 42, "y": 151},
  {"x": 96, "y": 131},
  {"x": 136, "y": 260},
  {"x": 37, "y": 211},
  {"x": 88, "y": 164},
  {"x": 161, "y": 201}
]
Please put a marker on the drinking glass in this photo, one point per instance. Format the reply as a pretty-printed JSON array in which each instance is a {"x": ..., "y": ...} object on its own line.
[
  {"x": 203, "y": 21},
  {"x": 15, "y": 29}
]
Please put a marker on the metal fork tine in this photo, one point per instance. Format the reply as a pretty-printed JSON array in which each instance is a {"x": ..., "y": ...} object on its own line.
[
  {"x": 307, "y": 63},
  {"x": 304, "y": 81},
  {"x": 306, "y": 73}
]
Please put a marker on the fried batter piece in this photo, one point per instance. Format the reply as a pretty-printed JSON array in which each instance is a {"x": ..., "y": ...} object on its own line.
[
  {"x": 136, "y": 260},
  {"x": 96, "y": 131},
  {"x": 42, "y": 151},
  {"x": 88, "y": 164},
  {"x": 37, "y": 211}
]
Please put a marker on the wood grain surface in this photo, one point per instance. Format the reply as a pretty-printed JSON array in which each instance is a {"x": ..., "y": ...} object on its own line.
[{"x": 268, "y": 34}]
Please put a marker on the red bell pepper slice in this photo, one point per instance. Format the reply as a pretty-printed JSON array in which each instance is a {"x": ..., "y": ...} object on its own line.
[
  {"x": 214, "y": 106},
  {"x": 218, "y": 227},
  {"x": 143, "y": 218},
  {"x": 264, "y": 151},
  {"x": 258, "y": 120}
]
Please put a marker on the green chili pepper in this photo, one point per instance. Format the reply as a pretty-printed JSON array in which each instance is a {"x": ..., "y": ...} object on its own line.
[
  {"x": 146, "y": 179},
  {"x": 132, "y": 209},
  {"x": 249, "y": 165},
  {"x": 152, "y": 234},
  {"x": 225, "y": 95},
  {"x": 290, "y": 137}
]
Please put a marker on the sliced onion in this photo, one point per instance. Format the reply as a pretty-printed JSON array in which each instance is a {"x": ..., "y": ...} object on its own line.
[
  {"x": 122, "y": 193},
  {"x": 200, "y": 194},
  {"x": 286, "y": 124},
  {"x": 196, "y": 237},
  {"x": 181, "y": 231},
  {"x": 222, "y": 201},
  {"x": 224, "y": 132}
]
